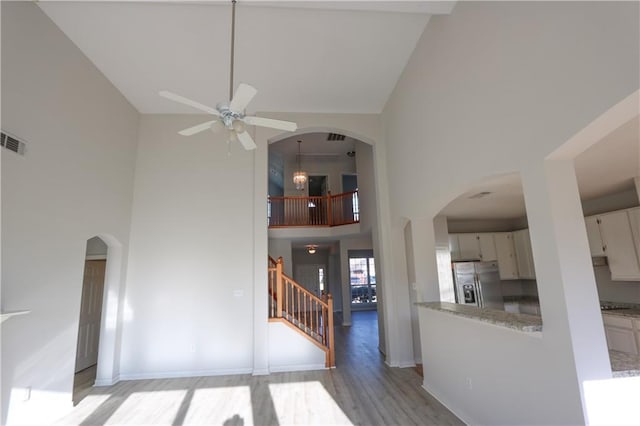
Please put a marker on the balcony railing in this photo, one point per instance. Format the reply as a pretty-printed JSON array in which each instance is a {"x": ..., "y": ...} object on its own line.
[{"x": 328, "y": 210}]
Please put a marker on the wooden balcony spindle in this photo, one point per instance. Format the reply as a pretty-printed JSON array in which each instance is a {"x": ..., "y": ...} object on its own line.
[
  {"x": 332, "y": 353},
  {"x": 329, "y": 210},
  {"x": 279, "y": 292}
]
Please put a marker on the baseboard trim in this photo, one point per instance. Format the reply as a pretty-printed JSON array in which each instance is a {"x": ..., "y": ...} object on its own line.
[
  {"x": 107, "y": 382},
  {"x": 407, "y": 364},
  {"x": 179, "y": 374},
  {"x": 260, "y": 372},
  {"x": 346, "y": 324},
  {"x": 297, "y": 367},
  {"x": 446, "y": 404}
]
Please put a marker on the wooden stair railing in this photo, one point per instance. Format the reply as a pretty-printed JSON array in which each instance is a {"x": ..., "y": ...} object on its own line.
[
  {"x": 302, "y": 310},
  {"x": 314, "y": 211}
]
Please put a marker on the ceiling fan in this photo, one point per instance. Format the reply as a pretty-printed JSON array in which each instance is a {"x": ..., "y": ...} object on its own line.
[{"x": 230, "y": 116}]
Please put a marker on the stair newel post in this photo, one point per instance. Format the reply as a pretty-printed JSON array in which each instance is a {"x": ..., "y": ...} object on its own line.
[
  {"x": 329, "y": 210},
  {"x": 279, "y": 289},
  {"x": 332, "y": 353}
]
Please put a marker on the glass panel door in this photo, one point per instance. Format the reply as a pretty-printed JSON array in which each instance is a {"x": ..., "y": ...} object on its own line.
[{"x": 362, "y": 276}]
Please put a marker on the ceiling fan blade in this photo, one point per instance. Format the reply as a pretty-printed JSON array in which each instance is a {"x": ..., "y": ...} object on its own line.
[
  {"x": 289, "y": 126},
  {"x": 189, "y": 102},
  {"x": 242, "y": 97},
  {"x": 246, "y": 140},
  {"x": 197, "y": 129}
]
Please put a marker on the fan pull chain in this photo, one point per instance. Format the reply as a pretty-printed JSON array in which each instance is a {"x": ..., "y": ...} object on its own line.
[{"x": 229, "y": 147}]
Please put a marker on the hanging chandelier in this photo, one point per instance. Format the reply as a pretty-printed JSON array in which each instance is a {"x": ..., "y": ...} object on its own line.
[{"x": 299, "y": 176}]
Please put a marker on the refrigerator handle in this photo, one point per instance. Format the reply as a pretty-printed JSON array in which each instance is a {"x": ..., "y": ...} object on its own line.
[{"x": 476, "y": 279}]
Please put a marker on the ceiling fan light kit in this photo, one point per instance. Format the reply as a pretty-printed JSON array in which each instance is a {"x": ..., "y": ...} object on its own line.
[{"x": 230, "y": 116}]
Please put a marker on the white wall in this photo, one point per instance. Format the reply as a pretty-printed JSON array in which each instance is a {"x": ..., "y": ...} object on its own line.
[
  {"x": 291, "y": 351},
  {"x": 190, "y": 281},
  {"x": 74, "y": 182},
  {"x": 366, "y": 187},
  {"x": 611, "y": 202},
  {"x": 496, "y": 88},
  {"x": 280, "y": 247},
  {"x": 331, "y": 167},
  {"x": 493, "y": 348}
]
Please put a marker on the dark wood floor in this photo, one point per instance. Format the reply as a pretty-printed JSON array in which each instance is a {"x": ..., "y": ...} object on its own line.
[{"x": 360, "y": 390}]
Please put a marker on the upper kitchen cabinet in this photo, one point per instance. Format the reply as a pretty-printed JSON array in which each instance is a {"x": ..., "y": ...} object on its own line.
[
  {"x": 634, "y": 220},
  {"x": 469, "y": 247},
  {"x": 596, "y": 246},
  {"x": 472, "y": 247},
  {"x": 487, "y": 246},
  {"x": 454, "y": 247},
  {"x": 506, "y": 256},
  {"x": 619, "y": 244},
  {"x": 524, "y": 255}
]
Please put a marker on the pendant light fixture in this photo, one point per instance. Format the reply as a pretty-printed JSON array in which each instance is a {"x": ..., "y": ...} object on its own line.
[{"x": 299, "y": 176}]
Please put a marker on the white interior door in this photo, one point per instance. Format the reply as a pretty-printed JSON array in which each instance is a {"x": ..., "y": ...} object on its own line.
[{"x": 90, "y": 314}]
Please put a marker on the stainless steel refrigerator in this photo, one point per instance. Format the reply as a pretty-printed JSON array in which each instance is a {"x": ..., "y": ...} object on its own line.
[{"x": 478, "y": 284}]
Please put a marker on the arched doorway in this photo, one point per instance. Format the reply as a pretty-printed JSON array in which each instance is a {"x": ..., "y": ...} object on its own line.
[{"x": 89, "y": 325}]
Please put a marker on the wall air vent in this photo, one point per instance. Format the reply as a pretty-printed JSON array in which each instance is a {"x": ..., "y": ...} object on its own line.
[
  {"x": 12, "y": 143},
  {"x": 335, "y": 137},
  {"x": 480, "y": 195}
]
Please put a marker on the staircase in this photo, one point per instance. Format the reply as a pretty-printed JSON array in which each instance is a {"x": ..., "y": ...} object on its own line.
[{"x": 298, "y": 308}]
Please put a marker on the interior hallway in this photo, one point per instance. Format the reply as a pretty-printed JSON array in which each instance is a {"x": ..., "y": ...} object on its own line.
[{"x": 360, "y": 390}]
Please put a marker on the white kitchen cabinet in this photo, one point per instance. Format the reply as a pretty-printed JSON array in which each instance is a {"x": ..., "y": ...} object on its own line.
[
  {"x": 620, "y": 334},
  {"x": 473, "y": 246},
  {"x": 619, "y": 246},
  {"x": 596, "y": 246},
  {"x": 487, "y": 245},
  {"x": 634, "y": 221},
  {"x": 530, "y": 309},
  {"x": 512, "y": 307},
  {"x": 506, "y": 256},
  {"x": 524, "y": 255},
  {"x": 469, "y": 247},
  {"x": 454, "y": 247},
  {"x": 620, "y": 339}
]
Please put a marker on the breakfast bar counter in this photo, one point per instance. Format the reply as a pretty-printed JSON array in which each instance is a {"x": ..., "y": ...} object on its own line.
[{"x": 520, "y": 322}]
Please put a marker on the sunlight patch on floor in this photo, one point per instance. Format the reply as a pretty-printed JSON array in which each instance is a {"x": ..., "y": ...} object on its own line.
[
  {"x": 155, "y": 407},
  {"x": 88, "y": 405},
  {"x": 227, "y": 405},
  {"x": 306, "y": 403}
]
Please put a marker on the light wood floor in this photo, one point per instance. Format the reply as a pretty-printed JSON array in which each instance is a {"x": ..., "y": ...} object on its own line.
[{"x": 360, "y": 390}]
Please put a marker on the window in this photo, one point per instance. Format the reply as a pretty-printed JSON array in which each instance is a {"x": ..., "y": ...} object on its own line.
[{"x": 362, "y": 276}]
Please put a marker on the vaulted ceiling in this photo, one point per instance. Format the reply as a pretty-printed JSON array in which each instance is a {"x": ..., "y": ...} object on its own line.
[{"x": 302, "y": 56}]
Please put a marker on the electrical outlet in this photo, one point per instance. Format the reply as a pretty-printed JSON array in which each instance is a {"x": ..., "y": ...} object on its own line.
[
  {"x": 192, "y": 348},
  {"x": 469, "y": 383}
]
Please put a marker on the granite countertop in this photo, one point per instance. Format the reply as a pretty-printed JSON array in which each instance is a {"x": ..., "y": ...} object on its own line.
[
  {"x": 522, "y": 299},
  {"x": 631, "y": 310},
  {"x": 520, "y": 322},
  {"x": 624, "y": 365}
]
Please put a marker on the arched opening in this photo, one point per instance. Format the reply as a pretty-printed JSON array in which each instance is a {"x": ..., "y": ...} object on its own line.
[
  {"x": 90, "y": 321},
  {"x": 605, "y": 157},
  {"x": 340, "y": 164},
  {"x": 489, "y": 243}
]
